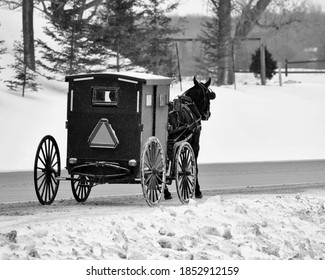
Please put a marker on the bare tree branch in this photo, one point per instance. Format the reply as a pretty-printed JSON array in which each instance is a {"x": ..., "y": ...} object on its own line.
[{"x": 249, "y": 17}]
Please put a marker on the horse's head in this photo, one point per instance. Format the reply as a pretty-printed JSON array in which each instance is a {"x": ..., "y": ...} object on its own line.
[{"x": 201, "y": 95}]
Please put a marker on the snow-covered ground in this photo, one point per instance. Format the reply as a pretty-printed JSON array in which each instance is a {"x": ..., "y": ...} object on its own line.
[
  {"x": 251, "y": 123},
  {"x": 263, "y": 226}
]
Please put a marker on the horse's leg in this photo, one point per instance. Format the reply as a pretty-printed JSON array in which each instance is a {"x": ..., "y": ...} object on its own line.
[
  {"x": 167, "y": 194},
  {"x": 195, "y": 143}
]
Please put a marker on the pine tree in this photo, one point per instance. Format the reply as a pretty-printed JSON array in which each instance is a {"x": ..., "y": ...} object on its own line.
[
  {"x": 208, "y": 66},
  {"x": 75, "y": 51},
  {"x": 24, "y": 77},
  {"x": 2, "y": 51},
  {"x": 116, "y": 30},
  {"x": 270, "y": 64},
  {"x": 156, "y": 48}
]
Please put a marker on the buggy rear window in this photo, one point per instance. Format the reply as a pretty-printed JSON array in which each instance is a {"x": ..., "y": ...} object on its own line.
[{"x": 104, "y": 96}]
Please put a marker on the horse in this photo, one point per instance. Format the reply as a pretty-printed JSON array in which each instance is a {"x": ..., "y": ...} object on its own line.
[{"x": 184, "y": 120}]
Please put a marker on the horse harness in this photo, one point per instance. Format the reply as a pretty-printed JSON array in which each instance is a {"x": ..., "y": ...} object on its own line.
[{"x": 184, "y": 129}]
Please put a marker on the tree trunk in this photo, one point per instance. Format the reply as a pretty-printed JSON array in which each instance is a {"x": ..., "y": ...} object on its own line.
[
  {"x": 225, "y": 68},
  {"x": 249, "y": 18},
  {"x": 28, "y": 34}
]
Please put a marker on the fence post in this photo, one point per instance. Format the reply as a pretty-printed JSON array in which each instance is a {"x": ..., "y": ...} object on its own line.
[
  {"x": 179, "y": 67},
  {"x": 280, "y": 73},
  {"x": 263, "y": 70},
  {"x": 286, "y": 67}
]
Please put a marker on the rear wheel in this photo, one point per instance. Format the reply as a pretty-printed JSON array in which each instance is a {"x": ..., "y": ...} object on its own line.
[
  {"x": 47, "y": 167},
  {"x": 185, "y": 172},
  {"x": 153, "y": 171},
  {"x": 81, "y": 188}
]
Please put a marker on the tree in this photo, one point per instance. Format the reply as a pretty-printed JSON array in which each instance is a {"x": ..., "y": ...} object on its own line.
[
  {"x": 58, "y": 11},
  {"x": 28, "y": 34},
  {"x": 115, "y": 29},
  {"x": 208, "y": 65},
  {"x": 24, "y": 77},
  {"x": 2, "y": 51},
  {"x": 156, "y": 45},
  {"x": 72, "y": 49},
  {"x": 239, "y": 18},
  {"x": 225, "y": 67},
  {"x": 248, "y": 16},
  {"x": 270, "y": 64}
]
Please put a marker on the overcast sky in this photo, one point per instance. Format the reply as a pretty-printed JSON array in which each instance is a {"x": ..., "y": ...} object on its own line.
[{"x": 200, "y": 6}]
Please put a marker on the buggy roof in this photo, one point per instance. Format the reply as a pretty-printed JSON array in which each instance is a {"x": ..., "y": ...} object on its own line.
[{"x": 148, "y": 79}]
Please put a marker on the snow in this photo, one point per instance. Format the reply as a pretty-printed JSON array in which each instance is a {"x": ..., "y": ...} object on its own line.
[
  {"x": 251, "y": 123},
  {"x": 263, "y": 226}
]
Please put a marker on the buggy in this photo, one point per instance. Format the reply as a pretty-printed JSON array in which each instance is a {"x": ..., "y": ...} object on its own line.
[{"x": 117, "y": 132}]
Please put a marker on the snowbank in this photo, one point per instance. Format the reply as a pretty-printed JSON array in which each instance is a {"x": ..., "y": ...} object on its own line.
[{"x": 250, "y": 227}]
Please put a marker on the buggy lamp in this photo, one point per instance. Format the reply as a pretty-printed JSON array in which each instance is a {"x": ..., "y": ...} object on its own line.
[
  {"x": 72, "y": 160},
  {"x": 132, "y": 162}
]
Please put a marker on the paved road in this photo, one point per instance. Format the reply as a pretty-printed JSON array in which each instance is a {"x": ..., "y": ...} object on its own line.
[{"x": 18, "y": 186}]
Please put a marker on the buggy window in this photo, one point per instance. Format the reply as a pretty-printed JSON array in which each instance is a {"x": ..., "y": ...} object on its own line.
[{"x": 104, "y": 96}]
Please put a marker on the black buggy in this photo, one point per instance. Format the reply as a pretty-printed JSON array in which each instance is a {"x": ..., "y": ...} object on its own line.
[{"x": 117, "y": 132}]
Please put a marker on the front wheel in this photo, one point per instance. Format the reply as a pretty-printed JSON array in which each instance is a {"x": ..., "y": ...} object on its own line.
[
  {"x": 185, "y": 172},
  {"x": 47, "y": 167},
  {"x": 153, "y": 171}
]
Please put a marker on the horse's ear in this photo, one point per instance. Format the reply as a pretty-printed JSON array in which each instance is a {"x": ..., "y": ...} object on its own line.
[
  {"x": 195, "y": 81},
  {"x": 207, "y": 84}
]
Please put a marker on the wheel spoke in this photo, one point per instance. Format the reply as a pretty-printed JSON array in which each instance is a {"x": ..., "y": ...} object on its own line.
[
  {"x": 51, "y": 148},
  {"x": 42, "y": 161},
  {"x": 42, "y": 175},
  {"x": 45, "y": 189},
  {"x": 156, "y": 158},
  {"x": 50, "y": 189},
  {"x": 79, "y": 189},
  {"x": 53, "y": 157},
  {"x": 48, "y": 148}
]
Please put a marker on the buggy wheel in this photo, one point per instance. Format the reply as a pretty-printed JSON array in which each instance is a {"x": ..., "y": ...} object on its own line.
[
  {"x": 185, "y": 172},
  {"x": 47, "y": 167},
  {"x": 153, "y": 171},
  {"x": 81, "y": 188}
]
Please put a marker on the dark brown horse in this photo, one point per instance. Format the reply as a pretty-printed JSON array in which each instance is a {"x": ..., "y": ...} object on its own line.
[{"x": 185, "y": 121}]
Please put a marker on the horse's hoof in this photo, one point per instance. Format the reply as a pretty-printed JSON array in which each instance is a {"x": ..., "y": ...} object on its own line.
[
  {"x": 167, "y": 195},
  {"x": 198, "y": 195}
]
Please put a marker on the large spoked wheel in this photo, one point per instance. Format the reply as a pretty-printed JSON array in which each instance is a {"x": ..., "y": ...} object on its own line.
[
  {"x": 47, "y": 167},
  {"x": 153, "y": 171},
  {"x": 185, "y": 172},
  {"x": 81, "y": 188}
]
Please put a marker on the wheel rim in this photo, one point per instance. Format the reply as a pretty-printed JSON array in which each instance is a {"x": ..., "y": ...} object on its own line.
[
  {"x": 153, "y": 171},
  {"x": 47, "y": 168},
  {"x": 81, "y": 188},
  {"x": 185, "y": 172}
]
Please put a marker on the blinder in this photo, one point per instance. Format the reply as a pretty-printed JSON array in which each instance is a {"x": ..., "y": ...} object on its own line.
[{"x": 177, "y": 104}]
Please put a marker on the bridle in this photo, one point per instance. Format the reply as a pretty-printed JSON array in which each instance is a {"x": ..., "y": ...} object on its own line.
[{"x": 206, "y": 99}]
